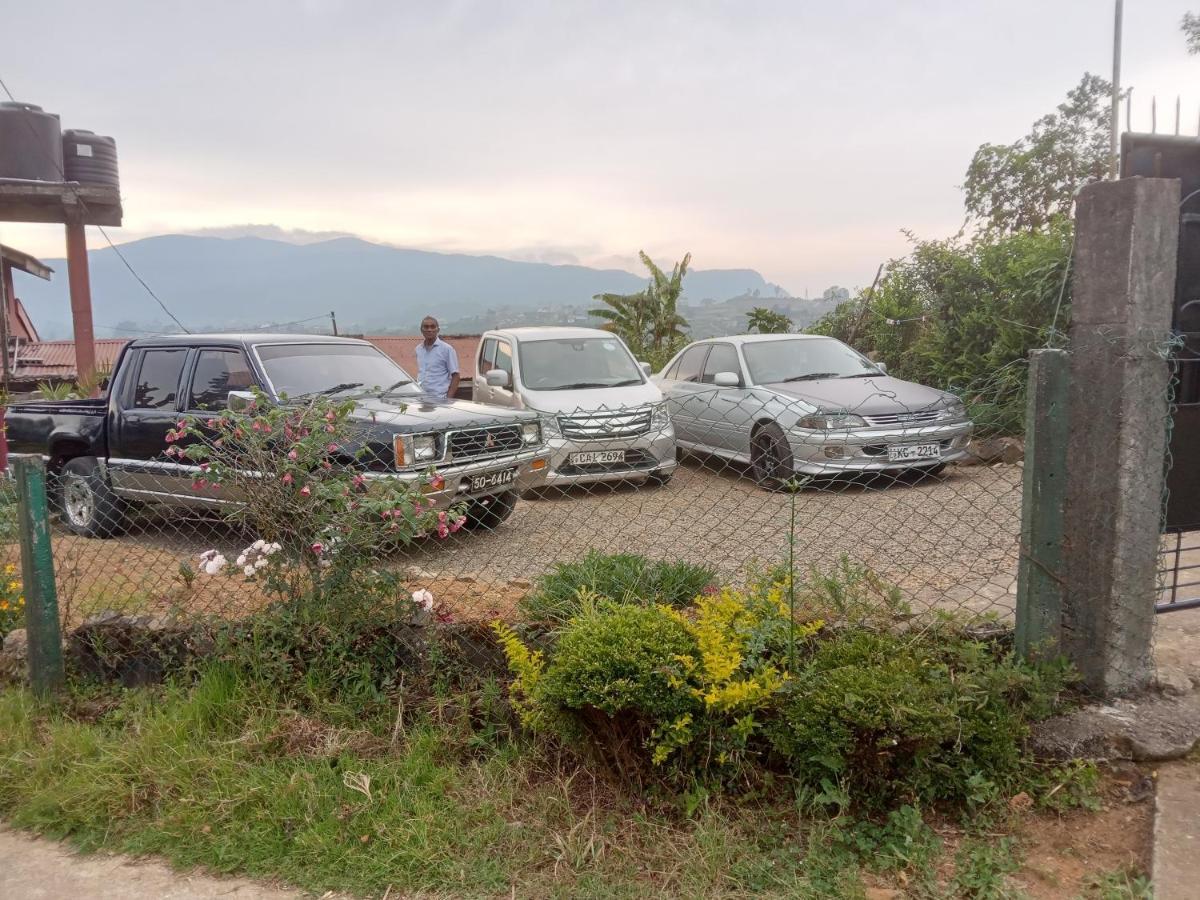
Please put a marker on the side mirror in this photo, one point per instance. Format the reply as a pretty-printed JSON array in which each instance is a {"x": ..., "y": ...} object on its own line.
[
  {"x": 239, "y": 401},
  {"x": 882, "y": 367},
  {"x": 646, "y": 368},
  {"x": 726, "y": 379},
  {"x": 497, "y": 378}
]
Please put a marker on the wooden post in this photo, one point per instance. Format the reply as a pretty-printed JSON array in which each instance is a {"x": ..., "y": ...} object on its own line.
[
  {"x": 81, "y": 300},
  {"x": 1039, "y": 572},
  {"x": 5, "y": 295},
  {"x": 46, "y": 672}
]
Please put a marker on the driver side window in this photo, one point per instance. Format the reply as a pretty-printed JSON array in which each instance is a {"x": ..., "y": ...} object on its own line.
[{"x": 487, "y": 356}]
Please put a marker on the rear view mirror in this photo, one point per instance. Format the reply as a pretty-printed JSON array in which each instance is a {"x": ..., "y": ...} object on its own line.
[
  {"x": 646, "y": 368},
  {"x": 239, "y": 401},
  {"x": 497, "y": 378},
  {"x": 726, "y": 379}
]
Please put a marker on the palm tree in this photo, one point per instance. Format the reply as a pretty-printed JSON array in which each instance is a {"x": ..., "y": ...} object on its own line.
[{"x": 649, "y": 320}]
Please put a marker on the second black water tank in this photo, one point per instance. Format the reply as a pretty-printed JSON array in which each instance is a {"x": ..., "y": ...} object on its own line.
[{"x": 89, "y": 158}]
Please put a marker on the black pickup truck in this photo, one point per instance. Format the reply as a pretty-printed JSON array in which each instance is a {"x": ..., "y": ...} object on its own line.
[{"x": 108, "y": 454}]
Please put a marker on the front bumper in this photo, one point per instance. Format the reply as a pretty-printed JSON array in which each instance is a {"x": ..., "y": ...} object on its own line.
[
  {"x": 653, "y": 451},
  {"x": 453, "y": 484},
  {"x": 852, "y": 451}
]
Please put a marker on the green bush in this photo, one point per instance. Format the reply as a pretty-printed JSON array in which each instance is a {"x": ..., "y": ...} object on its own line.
[
  {"x": 622, "y": 577},
  {"x": 922, "y": 716}
]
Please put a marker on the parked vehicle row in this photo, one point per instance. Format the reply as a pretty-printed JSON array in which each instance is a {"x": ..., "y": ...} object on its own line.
[{"x": 550, "y": 406}]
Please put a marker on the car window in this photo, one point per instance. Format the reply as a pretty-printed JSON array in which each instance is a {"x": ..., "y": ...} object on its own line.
[
  {"x": 487, "y": 356},
  {"x": 691, "y": 363},
  {"x": 157, "y": 384},
  {"x": 670, "y": 372},
  {"x": 504, "y": 357},
  {"x": 723, "y": 358},
  {"x": 217, "y": 373}
]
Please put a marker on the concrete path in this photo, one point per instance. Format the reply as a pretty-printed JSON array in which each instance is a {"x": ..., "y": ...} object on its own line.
[
  {"x": 37, "y": 869},
  {"x": 1177, "y": 832}
]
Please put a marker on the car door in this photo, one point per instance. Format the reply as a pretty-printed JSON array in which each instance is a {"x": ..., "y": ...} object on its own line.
[
  {"x": 505, "y": 396},
  {"x": 724, "y": 414},
  {"x": 149, "y": 407},
  {"x": 680, "y": 385},
  {"x": 481, "y": 391},
  {"x": 215, "y": 372}
]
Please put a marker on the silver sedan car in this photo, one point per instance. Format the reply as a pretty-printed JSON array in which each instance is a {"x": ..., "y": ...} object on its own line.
[{"x": 800, "y": 404}]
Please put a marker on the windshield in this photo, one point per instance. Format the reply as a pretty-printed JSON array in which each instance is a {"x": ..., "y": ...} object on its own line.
[
  {"x": 806, "y": 359},
  {"x": 307, "y": 369},
  {"x": 565, "y": 364}
]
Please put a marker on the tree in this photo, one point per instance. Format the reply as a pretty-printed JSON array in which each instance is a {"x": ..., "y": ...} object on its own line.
[
  {"x": 1191, "y": 29},
  {"x": 1030, "y": 183},
  {"x": 767, "y": 321},
  {"x": 649, "y": 321}
]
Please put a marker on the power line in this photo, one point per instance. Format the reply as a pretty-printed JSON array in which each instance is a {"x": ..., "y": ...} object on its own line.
[{"x": 112, "y": 246}]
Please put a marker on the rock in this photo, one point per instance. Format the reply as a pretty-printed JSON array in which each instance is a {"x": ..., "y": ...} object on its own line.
[
  {"x": 523, "y": 584},
  {"x": 1152, "y": 729},
  {"x": 14, "y": 656},
  {"x": 135, "y": 650},
  {"x": 416, "y": 573},
  {"x": 466, "y": 579},
  {"x": 992, "y": 450},
  {"x": 1173, "y": 682}
]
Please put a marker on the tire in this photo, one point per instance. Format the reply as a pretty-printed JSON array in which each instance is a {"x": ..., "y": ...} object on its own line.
[
  {"x": 771, "y": 463},
  {"x": 86, "y": 500},
  {"x": 490, "y": 512},
  {"x": 659, "y": 477}
]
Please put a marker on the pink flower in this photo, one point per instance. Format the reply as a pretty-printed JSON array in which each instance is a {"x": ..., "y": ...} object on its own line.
[
  {"x": 442, "y": 530},
  {"x": 204, "y": 467},
  {"x": 171, "y": 437},
  {"x": 359, "y": 481},
  {"x": 329, "y": 416},
  {"x": 287, "y": 478},
  {"x": 330, "y": 429},
  {"x": 292, "y": 454},
  {"x": 237, "y": 432},
  {"x": 215, "y": 486},
  {"x": 305, "y": 491},
  {"x": 181, "y": 424},
  {"x": 458, "y": 523},
  {"x": 219, "y": 443},
  {"x": 318, "y": 548},
  {"x": 211, "y": 423},
  {"x": 442, "y": 518},
  {"x": 332, "y": 448},
  {"x": 437, "y": 482},
  {"x": 326, "y": 465},
  {"x": 199, "y": 484}
]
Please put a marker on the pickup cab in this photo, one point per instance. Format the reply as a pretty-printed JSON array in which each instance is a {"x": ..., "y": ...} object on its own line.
[{"x": 107, "y": 455}]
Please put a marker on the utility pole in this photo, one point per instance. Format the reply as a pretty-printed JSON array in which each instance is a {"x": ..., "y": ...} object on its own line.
[
  {"x": 333, "y": 319},
  {"x": 1116, "y": 94}
]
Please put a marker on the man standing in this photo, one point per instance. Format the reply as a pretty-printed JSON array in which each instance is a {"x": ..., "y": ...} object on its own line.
[{"x": 437, "y": 363}]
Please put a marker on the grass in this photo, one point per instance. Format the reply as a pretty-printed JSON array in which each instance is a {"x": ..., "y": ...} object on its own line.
[{"x": 446, "y": 799}]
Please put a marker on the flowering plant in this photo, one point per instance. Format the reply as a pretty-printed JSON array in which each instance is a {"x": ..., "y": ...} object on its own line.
[{"x": 12, "y": 601}]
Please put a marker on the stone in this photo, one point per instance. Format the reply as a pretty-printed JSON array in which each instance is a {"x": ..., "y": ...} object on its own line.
[
  {"x": 14, "y": 656},
  {"x": 523, "y": 584},
  {"x": 416, "y": 573},
  {"x": 994, "y": 450},
  {"x": 1152, "y": 729},
  {"x": 466, "y": 579},
  {"x": 1173, "y": 682}
]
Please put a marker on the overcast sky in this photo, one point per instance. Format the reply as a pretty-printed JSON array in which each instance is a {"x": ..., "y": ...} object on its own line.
[{"x": 796, "y": 138}]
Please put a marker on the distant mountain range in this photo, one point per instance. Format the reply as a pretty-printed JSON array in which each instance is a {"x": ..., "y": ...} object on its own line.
[{"x": 213, "y": 283}]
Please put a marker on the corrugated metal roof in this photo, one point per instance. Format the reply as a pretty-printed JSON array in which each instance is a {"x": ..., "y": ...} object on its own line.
[{"x": 45, "y": 359}]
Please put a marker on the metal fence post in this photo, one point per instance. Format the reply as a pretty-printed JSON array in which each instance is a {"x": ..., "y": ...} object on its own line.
[
  {"x": 46, "y": 673},
  {"x": 1044, "y": 491}
]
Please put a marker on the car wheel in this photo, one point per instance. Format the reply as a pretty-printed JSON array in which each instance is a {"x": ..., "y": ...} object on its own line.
[
  {"x": 770, "y": 458},
  {"x": 87, "y": 502},
  {"x": 488, "y": 512}
]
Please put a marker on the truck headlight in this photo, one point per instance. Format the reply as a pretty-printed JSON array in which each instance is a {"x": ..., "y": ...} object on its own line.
[
  {"x": 660, "y": 418},
  {"x": 954, "y": 409},
  {"x": 414, "y": 449},
  {"x": 424, "y": 448},
  {"x": 831, "y": 421},
  {"x": 531, "y": 433}
]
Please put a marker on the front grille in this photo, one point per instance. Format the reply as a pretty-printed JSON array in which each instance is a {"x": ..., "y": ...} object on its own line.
[
  {"x": 914, "y": 418},
  {"x": 476, "y": 443},
  {"x": 601, "y": 426},
  {"x": 634, "y": 459}
]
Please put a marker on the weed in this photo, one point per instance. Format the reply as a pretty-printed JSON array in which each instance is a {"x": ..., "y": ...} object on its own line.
[
  {"x": 1121, "y": 884},
  {"x": 981, "y": 867}
]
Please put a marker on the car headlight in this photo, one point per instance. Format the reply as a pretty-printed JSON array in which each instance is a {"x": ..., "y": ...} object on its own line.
[
  {"x": 414, "y": 449},
  {"x": 531, "y": 433},
  {"x": 660, "y": 417},
  {"x": 831, "y": 421},
  {"x": 954, "y": 409}
]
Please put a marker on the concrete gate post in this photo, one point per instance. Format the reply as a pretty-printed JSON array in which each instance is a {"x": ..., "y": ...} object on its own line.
[{"x": 1124, "y": 284}]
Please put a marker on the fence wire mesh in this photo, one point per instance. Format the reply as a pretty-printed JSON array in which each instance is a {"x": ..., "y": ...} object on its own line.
[{"x": 916, "y": 488}]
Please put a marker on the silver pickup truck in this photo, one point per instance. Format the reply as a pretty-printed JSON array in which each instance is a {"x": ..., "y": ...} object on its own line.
[{"x": 108, "y": 453}]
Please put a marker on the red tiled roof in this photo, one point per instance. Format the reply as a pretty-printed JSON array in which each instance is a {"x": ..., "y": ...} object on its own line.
[{"x": 46, "y": 359}]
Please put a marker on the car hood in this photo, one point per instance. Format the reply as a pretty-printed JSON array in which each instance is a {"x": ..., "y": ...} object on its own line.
[
  {"x": 880, "y": 395},
  {"x": 593, "y": 399},
  {"x": 425, "y": 412}
]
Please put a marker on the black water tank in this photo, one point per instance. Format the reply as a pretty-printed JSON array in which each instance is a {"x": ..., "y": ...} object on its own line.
[
  {"x": 89, "y": 158},
  {"x": 30, "y": 143}
]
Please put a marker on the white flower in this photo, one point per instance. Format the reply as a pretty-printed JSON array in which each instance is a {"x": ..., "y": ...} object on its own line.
[
  {"x": 260, "y": 562},
  {"x": 258, "y": 545},
  {"x": 241, "y": 560},
  {"x": 271, "y": 548},
  {"x": 324, "y": 563},
  {"x": 249, "y": 570},
  {"x": 214, "y": 564},
  {"x": 207, "y": 555},
  {"x": 424, "y": 599}
]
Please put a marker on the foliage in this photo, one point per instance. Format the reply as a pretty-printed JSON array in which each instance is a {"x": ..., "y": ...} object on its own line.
[
  {"x": 622, "y": 577},
  {"x": 300, "y": 472},
  {"x": 1191, "y": 30},
  {"x": 12, "y": 601},
  {"x": 65, "y": 390},
  {"x": 1030, "y": 183},
  {"x": 963, "y": 314},
  {"x": 649, "y": 321},
  {"x": 767, "y": 321},
  {"x": 1121, "y": 884}
]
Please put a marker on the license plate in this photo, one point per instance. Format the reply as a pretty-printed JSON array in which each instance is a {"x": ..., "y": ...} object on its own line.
[
  {"x": 492, "y": 479},
  {"x": 914, "y": 452},
  {"x": 592, "y": 457}
]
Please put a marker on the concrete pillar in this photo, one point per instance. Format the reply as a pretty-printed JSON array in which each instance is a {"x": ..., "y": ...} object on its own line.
[
  {"x": 81, "y": 299},
  {"x": 1124, "y": 284}
]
